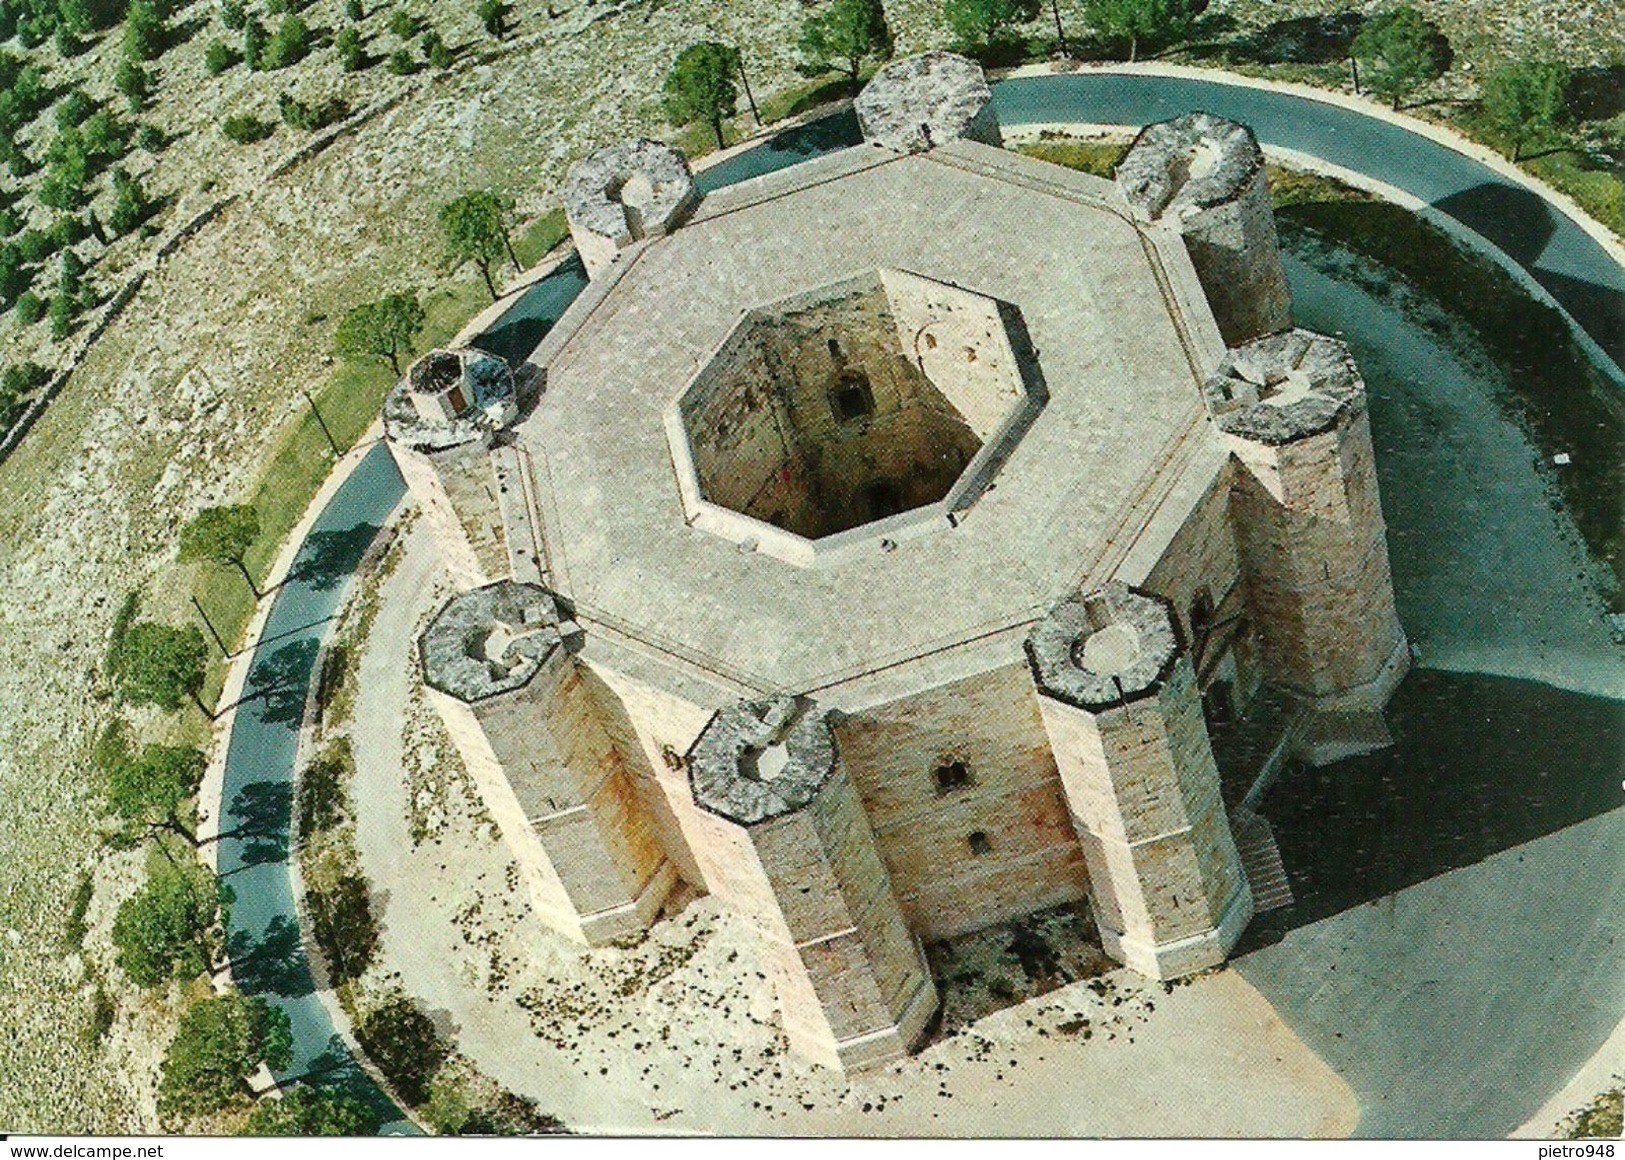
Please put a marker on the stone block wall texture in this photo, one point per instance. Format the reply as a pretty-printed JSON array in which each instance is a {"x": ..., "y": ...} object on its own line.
[
  {"x": 853, "y": 986},
  {"x": 1314, "y": 548},
  {"x": 989, "y": 722},
  {"x": 583, "y": 822},
  {"x": 1166, "y": 883},
  {"x": 431, "y": 491},
  {"x": 1206, "y": 174}
]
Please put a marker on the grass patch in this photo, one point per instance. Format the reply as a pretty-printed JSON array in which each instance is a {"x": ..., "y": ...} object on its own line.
[
  {"x": 541, "y": 237},
  {"x": 1600, "y": 191},
  {"x": 300, "y": 460},
  {"x": 1097, "y": 157}
]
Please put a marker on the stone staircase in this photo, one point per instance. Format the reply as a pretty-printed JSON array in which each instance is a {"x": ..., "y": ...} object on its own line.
[{"x": 1261, "y": 860}]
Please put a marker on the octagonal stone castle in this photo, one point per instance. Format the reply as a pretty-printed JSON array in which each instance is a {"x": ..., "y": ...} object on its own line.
[{"x": 882, "y": 545}]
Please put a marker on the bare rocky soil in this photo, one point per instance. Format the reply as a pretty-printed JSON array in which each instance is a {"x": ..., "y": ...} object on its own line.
[{"x": 176, "y": 406}]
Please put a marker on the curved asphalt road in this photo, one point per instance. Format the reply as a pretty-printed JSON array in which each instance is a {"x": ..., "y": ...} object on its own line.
[{"x": 267, "y": 951}]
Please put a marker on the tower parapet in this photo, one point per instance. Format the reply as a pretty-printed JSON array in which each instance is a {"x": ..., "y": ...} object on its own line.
[
  {"x": 919, "y": 102},
  {"x": 1206, "y": 174},
  {"x": 794, "y": 853},
  {"x": 1308, "y": 519},
  {"x": 497, "y": 668},
  {"x": 1119, "y": 702},
  {"x": 624, "y": 194}
]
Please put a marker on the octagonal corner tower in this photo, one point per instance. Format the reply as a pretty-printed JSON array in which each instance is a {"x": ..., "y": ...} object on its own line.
[
  {"x": 624, "y": 194},
  {"x": 1206, "y": 175},
  {"x": 528, "y": 726},
  {"x": 883, "y": 400},
  {"x": 1118, "y": 697},
  {"x": 791, "y": 849},
  {"x": 922, "y": 101},
  {"x": 1308, "y": 519},
  {"x": 440, "y": 421}
]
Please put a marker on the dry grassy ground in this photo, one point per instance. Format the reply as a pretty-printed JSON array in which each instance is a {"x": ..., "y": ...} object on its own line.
[{"x": 178, "y": 404}]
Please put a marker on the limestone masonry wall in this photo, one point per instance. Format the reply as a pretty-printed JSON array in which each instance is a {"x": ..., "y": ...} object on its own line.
[{"x": 1013, "y": 798}]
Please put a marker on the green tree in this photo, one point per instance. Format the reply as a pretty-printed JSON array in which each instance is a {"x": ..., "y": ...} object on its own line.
[
  {"x": 353, "y": 10},
  {"x": 82, "y": 16},
  {"x": 223, "y": 535},
  {"x": 403, "y": 24},
  {"x": 352, "y": 57},
  {"x": 148, "y": 788},
  {"x": 700, "y": 86},
  {"x": 218, "y": 57},
  {"x": 233, "y": 15},
  {"x": 1401, "y": 50},
  {"x": 64, "y": 314},
  {"x": 254, "y": 41},
  {"x": 435, "y": 50},
  {"x": 986, "y": 22},
  {"x": 1141, "y": 24},
  {"x": 844, "y": 35},
  {"x": 134, "y": 82},
  {"x": 157, "y": 664},
  {"x": 288, "y": 45},
  {"x": 475, "y": 228},
  {"x": 73, "y": 108},
  {"x": 246, "y": 128},
  {"x": 304, "y": 1110},
  {"x": 131, "y": 205},
  {"x": 30, "y": 308},
  {"x": 383, "y": 329},
  {"x": 1526, "y": 100},
  {"x": 492, "y": 15},
  {"x": 402, "y": 63},
  {"x": 146, "y": 32},
  {"x": 217, "y": 1047},
  {"x": 167, "y": 929},
  {"x": 404, "y": 1045}
]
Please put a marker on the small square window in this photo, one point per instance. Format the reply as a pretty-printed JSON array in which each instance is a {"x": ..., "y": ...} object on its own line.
[
  {"x": 979, "y": 843},
  {"x": 853, "y": 398},
  {"x": 950, "y": 775}
]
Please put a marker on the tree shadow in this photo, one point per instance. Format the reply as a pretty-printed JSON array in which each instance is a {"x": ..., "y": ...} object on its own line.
[
  {"x": 183, "y": 31},
  {"x": 1596, "y": 93},
  {"x": 273, "y": 963},
  {"x": 280, "y": 681},
  {"x": 1480, "y": 764},
  {"x": 335, "y": 1069},
  {"x": 1517, "y": 220},
  {"x": 329, "y": 557},
  {"x": 261, "y": 812},
  {"x": 1302, "y": 40}
]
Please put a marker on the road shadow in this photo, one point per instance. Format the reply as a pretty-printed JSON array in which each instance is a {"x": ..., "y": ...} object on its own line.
[
  {"x": 521, "y": 329},
  {"x": 1479, "y": 764}
]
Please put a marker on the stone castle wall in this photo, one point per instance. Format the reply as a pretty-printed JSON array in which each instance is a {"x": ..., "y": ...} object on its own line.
[
  {"x": 990, "y": 723},
  {"x": 431, "y": 479}
]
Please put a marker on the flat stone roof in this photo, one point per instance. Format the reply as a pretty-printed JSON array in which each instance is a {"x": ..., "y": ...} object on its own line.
[
  {"x": 1284, "y": 387},
  {"x": 760, "y": 760},
  {"x": 1124, "y": 342},
  {"x": 1105, "y": 648}
]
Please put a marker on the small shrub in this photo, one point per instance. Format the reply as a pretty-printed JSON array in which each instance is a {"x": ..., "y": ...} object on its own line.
[
  {"x": 10, "y": 222},
  {"x": 403, "y": 24},
  {"x": 146, "y": 33},
  {"x": 218, "y": 57},
  {"x": 289, "y": 44},
  {"x": 149, "y": 138},
  {"x": 245, "y": 128},
  {"x": 134, "y": 82},
  {"x": 435, "y": 51},
  {"x": 401, "y": 63},
  {"x": 36, "y": 245},
  {"x": 233, "y": 14},
  {"x": 30, "y": 308},
  {"x": 491, "y": 14},
  {"x": 74, "y": 930},
  {"x": 353, "y": 10},
  {"x": 64, "y": 317},
  {"x": 103, "y": 1010},
  {"x": 344, "y": 927},
  {"x": 352, "y": 56},
  {"x": 299, "y": 115}
]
